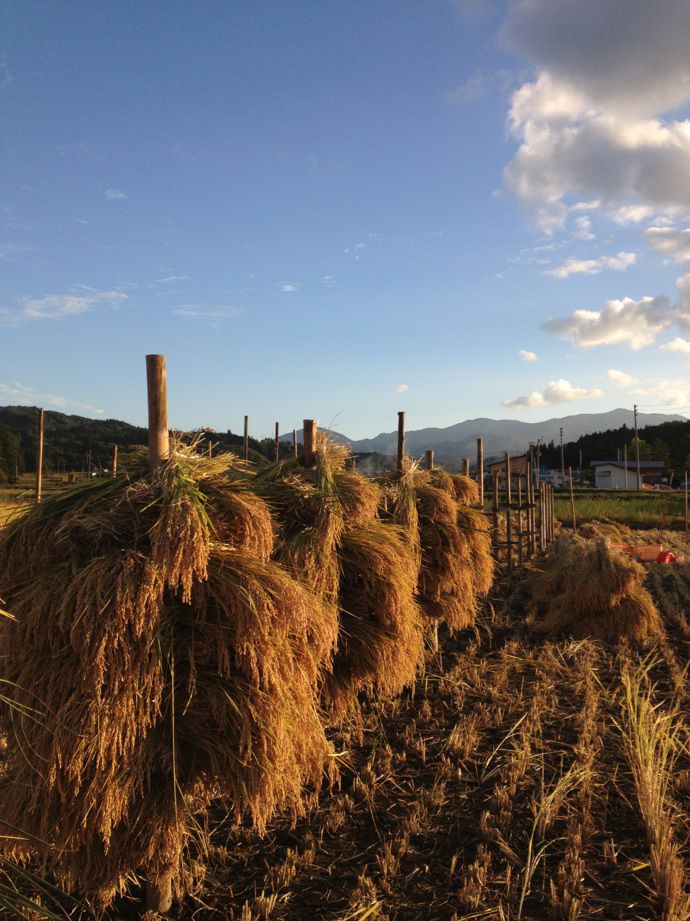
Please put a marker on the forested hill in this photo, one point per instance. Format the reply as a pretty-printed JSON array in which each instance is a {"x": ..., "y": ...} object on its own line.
[
  {"x": 75, "y": 442},
  {"x": 669, "y": 442}
]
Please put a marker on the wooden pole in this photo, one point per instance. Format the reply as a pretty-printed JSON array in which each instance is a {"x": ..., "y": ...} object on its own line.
[
  {"x": 210, "y": 449},
  {"x": 521, "y": 558},
  {"x": 157, "y": 384},
  {"x": 277, "y": 445},
  {"x": 625, "y": 464},
  {"x": 430, "y": 460},
  {"x": 552, "y": 513},
  {"x": 509, "y": 522},
  {"x": 466, "y": 466},
  {"x": 542, "y": 520},
  {"x": 246, "y": 438},
  {"x": 494, "y": 510},
  {"x": 572, "y": 497},
  {"x": 685, "y": 489},
  {"x": 39, "y": 456},
  {"x": 530, "y": 509},
  {"x": 401, "y": 441},
  {"x": 480, "y": 471},
  {"x": 309, "y": 431},
  {"x": 114, "y": 460},
  {"x": 294, "y": 442}
]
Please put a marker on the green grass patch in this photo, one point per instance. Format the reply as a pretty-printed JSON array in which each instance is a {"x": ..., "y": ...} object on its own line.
[{"x": 636, "y": 509}]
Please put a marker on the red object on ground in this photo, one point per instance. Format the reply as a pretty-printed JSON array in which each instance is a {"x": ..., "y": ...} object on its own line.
[{"x": 666, "y": 557}]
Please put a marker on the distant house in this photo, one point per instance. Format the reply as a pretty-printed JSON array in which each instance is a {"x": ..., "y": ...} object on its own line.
[
  {"x": 612, "y": 474},
  {"x": 518, "y": 465}
]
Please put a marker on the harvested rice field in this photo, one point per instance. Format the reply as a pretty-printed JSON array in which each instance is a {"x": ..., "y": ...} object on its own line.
[{"x": 299, "y": 693}]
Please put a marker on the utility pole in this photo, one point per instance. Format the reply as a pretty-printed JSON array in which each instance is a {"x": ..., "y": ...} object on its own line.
[
  {"x": 637, "y": 449},
  {"x": 562, "y": 461}
]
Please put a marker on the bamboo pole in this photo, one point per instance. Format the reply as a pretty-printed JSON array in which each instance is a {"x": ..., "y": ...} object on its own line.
[
  {"x": 430, "y": 460},
  {"x": 294, "y": 442},
  {"x": 309, "y": 432},
  {"x": 480, "y": 471},
  {"x": 572, "y": 497},
  {"x": 530, "y": 510},
  {"x": 277, "y": 445},
  {"x": 114, "y": 461},
  {"x": 401, "y": 441},
  {"x": 39, "y": 455},
  {"x": 157, "y": 384},
  {"x": 494, "y": 510},
  {"x": 466, "y": 466},
  {"x": 509, "y": 522},
  {"x": 521, "y": 558},
  {"x": 542, "y": 519},
  {"x": 246, "y": 438}
]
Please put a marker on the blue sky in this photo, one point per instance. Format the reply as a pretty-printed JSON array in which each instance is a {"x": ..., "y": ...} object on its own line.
[{"x": 341, "y": 210}]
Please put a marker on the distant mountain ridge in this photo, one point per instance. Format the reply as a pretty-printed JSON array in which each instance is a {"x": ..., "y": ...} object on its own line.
[{"x": 513, "y": 435}]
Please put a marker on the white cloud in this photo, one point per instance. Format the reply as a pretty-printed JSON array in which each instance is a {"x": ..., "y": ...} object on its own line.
[
  {"x": 631, "y": 214},
  {"x": 677, "y": 345},
  {"x": 583, "y": 228},
  {"x": 620, "y": 378},
  {"x": 671, "y": 392},
  {"x": 196, "y": 312},
  {"x": 288, "y": 289},
  {"x": 114, "y": 194},
  {"x": 620, "y": 322},
  {"x": 402, "y": 388},
  {"x": 328, "y": 280},
  {"x": 672, "y": 243},
  {"x": 560, "y": 391},
  {"x": 593, "y": 123},
  {"x": 572, "y": 266},
  {"x": 27, "y": 396},
  {"x": 55, "y": 306},
  {"x": 170, "y": 279},
  {"x": 527, "y": 355}
]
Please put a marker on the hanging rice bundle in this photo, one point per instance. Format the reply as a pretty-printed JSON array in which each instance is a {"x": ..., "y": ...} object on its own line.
[
  {"x": 156, "y": 659},
  {"x": 359, "y": 566},
  {"x": 452, "y": 541},
  {"x": 588, "y": 588}
]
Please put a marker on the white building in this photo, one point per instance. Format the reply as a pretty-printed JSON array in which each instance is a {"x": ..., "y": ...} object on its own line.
[{"x": 612, "y": 474}]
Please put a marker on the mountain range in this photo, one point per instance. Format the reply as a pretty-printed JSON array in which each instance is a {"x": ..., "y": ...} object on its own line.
[{"x": 460, "y": 440}]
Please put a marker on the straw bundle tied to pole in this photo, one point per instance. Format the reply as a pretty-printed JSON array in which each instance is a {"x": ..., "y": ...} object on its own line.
[
  {"x": 362, "y": 569},
  {"x": 451, "y": 541},
  {"x": 156, "y": 659},
  {"x": 585, "y": 587}
]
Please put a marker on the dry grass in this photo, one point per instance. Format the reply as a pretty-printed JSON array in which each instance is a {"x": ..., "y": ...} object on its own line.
[
  {"x": 585, "y": 587},
  {"x": 156, "y": 660}
]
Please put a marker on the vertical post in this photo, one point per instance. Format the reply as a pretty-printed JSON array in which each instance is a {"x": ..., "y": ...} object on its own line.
[
  {"x": 401, "y": 441},
  {"x": 430, "y": 460},
  {"x": 114, "y": 460},
  {"x": 277, "y": 445},
  {"x": 562, "y": 460},
  {"x": 157, "y": 384},
  {"x": 480, "y": 471},
  {"x": 466, "y": 466},
  {"x": 637, "y": 450},
  {"x": 685, "y": 490},
  {"x": 552, "y": 513},
  {"x": 521, "y": 558},
  {"x": 542, "y": 519},
  {"x": 39, "y": 456},
  {"x": 294, "y": 442},
  {"x": 246, "y": 438},
  {"x": 494, "y": 510},
  {"x": 625, "y": 464},
  {"x": 530, "y": 512},
  {"x": 572, "y": 498},
  {"x": 309, "y": 432},
  {"x": 509, "y": 522}
]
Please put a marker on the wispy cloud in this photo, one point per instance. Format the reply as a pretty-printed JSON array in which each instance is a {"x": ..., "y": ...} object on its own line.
[
  {"x": 27, "y": 396},
  {"x": 56, "y": 306},
  {"x": 328, "y": 280},
  {"x": 560, "y": 391},
  {"x": 619, "y": 263},
  {"x": 288, "y": 289},
  {"x": 207, "y": 314},
  {"x": 479, "y": 85},
  {"x": 526, "y": 355},
  {"x": 675, "y": 244},
  {"x": 114, "y": 194},
  {"x": 6, "y": 75},
  {"x": 402, "y": 388}
]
